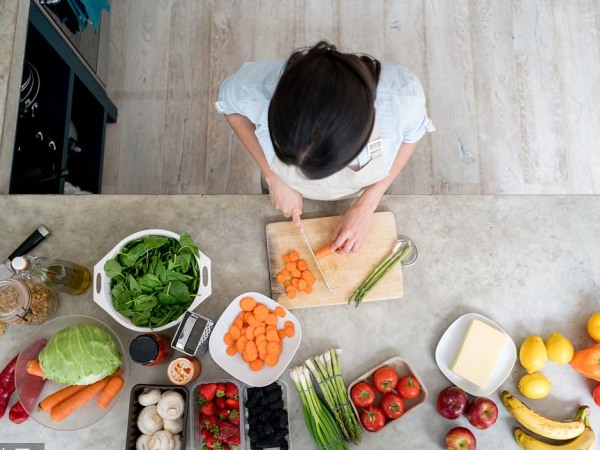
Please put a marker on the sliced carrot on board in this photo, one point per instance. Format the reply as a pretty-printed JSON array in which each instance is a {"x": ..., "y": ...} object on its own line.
[
  {"x": 289, "y": 266},
  {"x": 291, "y": 293},
  {"x": 295, "y": 282},
  {"x": 302, "y": 284},
  {"x": 296, "y": 273},
  {"x": 286, "y": 257},
  {"x": 281, "y": 278},
  {"x": 302, "y": 264},
  {"x": 294, "y": 256},
  {"x": 308, "y": 289},
  {"x": 322, "y": 252}
]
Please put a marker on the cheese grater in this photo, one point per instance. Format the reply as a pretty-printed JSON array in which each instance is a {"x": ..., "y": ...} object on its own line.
[{"x": 192, "y": 334}]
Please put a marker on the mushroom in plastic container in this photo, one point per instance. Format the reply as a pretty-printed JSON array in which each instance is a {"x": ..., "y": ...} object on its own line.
[
  {"x": 162, "y": 440},
  {"x": 149, "y": 397},
  {"x": 171, "y": 405},
  {"x": 143, "y": 442},
  {"x": 150, "y": 421}
]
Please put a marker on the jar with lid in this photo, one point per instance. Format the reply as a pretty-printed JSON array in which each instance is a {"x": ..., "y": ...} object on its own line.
[
  {"x": 25, "y": 302},
  {"x": 148, "y": 349}
]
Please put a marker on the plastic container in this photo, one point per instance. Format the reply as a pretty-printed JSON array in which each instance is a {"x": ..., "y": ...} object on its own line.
[
  {"x": 402, "y": 368},
  {"x": 198, "y": 441},
  {"x": 103, "y": 295},
  {"x": 133, "y": 433},
  {"x": 285, "y": 391}
]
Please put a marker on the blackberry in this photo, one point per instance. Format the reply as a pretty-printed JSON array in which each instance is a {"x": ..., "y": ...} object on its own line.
[
  {"x": 264, "y": 443},
  {"x": 279, "y": 434},
  {"x": 263, "y": 416},
  {"x": 252, "y": 434},
  {"x": 268, "y": 429},
  {"x": 252, "y": 419},
  {"x": 273, "y": 396},
  {"x": 257, "y": 409},
  {"x": 264, "y": 401},
  {"x": 251, "y": 402},
  {"x": 276, "y": 405},
  {"x": 283, "y": 445},
  {"x": 282, "y": 420}
]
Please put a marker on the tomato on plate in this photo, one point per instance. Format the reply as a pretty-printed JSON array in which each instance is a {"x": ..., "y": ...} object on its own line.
[
  {"x": 596, "y": 395},
  {"x": 408, "y": 387},
  {"x": 385, "y": 379},
  {"x": 372, "y": 419},
  {"x": 363, "y": 394},
  {"x": 392, "y": 405}
]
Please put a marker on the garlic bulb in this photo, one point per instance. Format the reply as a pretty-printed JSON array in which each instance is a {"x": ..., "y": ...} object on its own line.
[
  {"x": 162, "y": 440},
  {"x": 149, "y": 397},
  {"x": 149, "y": 421},
  {"x": 174, "y": 426},
  {"x": 171, "y": 405},
  {"x": 143, "y": 442}
]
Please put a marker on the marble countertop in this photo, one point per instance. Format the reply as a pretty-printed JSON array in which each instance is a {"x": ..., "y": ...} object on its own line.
[{"x": 530, "y": 263}]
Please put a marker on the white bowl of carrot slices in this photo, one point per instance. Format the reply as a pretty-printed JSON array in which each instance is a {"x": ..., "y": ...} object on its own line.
[{"x": 255, "y": 339}]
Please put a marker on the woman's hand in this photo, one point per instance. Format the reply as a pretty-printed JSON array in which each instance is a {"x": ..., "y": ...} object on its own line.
[
  {"x": 284, "y": 198},
  {"x": 352, "y": 230}
]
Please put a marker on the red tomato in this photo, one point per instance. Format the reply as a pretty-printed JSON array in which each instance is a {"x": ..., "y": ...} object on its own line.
[
  {"x": 408, "y": 387},
  {"x": 596, "y": 395},
  {"x": 385, "y": 379},
  {"x": 372, "y": 419},
  {"x": 392, "y": 405},
  {"x": 363, "y": 395}
]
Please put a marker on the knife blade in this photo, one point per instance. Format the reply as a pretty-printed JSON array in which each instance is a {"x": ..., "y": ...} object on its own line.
[
  {"x": 26, "y": 246},
  {"x": 315, "y": 258}
]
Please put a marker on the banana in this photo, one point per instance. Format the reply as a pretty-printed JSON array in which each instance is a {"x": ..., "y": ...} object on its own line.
[
  {"x": 584, "y": 441},
  {"x": 553, "y": 429}
]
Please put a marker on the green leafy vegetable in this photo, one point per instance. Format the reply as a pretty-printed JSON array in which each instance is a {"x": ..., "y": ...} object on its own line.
[
  {"x": 154, "y": 279},
  {"x": 80, "y": 354}
]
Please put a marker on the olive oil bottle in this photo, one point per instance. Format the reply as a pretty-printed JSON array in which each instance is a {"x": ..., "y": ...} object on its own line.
[{"x": 57, "y": 274}]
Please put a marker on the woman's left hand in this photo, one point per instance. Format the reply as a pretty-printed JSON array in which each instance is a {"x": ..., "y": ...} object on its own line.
[{"x": 352, "y": 230}]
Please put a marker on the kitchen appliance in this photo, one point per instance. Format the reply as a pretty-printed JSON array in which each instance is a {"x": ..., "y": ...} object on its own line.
[{"x": 344, "y": 272}]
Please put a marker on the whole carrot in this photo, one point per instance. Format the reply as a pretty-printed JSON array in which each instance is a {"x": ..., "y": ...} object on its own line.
[
  {"x": 323, "y": 252},
  {"x": 70, "y": 405},
  {"x": 110, "y": 391},
  {"x": 59, "y": 396},
  {"x": 33, "y": 368}
]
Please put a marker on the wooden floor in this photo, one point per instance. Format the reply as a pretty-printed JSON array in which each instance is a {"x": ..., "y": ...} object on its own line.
[{"x": 512, "y": 86}]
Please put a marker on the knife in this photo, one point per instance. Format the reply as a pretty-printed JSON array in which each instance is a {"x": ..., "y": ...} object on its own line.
[
  {"x": 26, "y": 246},
  {"x": 315, "y": 258}
]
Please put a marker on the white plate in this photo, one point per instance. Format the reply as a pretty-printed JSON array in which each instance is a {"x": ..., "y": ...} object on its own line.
[
  {"x": 449, "y": 345},
  {"x": 235, "y": 365}
]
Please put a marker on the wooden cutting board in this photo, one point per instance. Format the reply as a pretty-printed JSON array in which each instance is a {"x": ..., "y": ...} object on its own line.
[{"x": 344, "y": 272}]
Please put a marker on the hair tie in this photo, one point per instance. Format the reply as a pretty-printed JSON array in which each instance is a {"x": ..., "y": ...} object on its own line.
[{"x": 328, "y": 49}]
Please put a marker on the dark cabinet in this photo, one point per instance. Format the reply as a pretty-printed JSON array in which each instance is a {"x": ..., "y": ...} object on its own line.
[{"x": 63, "y": 112}]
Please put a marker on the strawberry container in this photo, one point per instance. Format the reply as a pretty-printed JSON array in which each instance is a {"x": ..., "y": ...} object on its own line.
[
  {"x": 133, "y": 433},
  {"x": 402, "y": 368},
  {"x": 286, "y": 408},
  {"x": 198, "y": 440}
]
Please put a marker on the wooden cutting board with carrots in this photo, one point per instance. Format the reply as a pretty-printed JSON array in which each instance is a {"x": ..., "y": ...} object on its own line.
[{"x": 344, "y": 272}]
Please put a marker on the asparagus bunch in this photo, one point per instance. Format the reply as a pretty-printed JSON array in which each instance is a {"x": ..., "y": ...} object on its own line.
[
  {"x": 327, "y": 370},
  {"x": 319, "y": 421},
  {"x": 398, "y": 254}
]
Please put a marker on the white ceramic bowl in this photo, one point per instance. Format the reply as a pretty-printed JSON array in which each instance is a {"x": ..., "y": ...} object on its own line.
[
  {"x": 235, "y": 365},
  {"x": 103, "y": 296},
  {"x": 88, "y": 414}
]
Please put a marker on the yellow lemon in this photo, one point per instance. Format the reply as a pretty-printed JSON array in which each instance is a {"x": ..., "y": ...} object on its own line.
[
  {"x": 559, "y": 348},
  {"x": 593, "y": 326},
  {"x": 533, "y": 354},
  {"x": 534, "y": 385}
]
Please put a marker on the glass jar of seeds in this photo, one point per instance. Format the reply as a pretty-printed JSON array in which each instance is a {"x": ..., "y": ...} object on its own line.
[{"x": 24, "y": 302}]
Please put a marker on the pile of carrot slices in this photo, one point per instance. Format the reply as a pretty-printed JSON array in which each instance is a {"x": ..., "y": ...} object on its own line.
[
  {"x": 296, "y": 276},
  {"x": 255, "y": 336}
]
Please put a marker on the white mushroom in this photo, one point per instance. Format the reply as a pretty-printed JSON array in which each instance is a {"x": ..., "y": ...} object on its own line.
[
  {"x": 162, "y": 440},
  {"x": 171, "y": 405},
  {"x": 174, "y": 426},
  {"x": 149, "y": 421},
  {"x": 149, "y": 397},
  {"x": 178, "y": 442},
  {"x": 143, "y": 442}
]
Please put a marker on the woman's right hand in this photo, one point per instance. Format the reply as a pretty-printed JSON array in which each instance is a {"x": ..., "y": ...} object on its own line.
[{"x": 284, "y": 198}]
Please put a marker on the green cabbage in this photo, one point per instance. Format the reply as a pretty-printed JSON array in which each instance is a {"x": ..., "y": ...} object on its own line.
[{"x": 80, "y": 354}]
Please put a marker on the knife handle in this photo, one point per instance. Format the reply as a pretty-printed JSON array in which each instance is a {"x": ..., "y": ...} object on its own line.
[{"x": 31, "y": 242}]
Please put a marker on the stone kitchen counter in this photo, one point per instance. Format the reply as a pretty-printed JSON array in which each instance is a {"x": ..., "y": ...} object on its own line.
[{"x": 530, "y": 263}]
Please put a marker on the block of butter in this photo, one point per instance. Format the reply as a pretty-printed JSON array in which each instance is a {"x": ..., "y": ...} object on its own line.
[{"x": 479, "y": 352}]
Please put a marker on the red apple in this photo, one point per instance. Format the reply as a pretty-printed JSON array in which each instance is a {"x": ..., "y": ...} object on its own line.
[
  {"x": 482, "y": 413},
  {"x": 460, "y": 438},
  {"x": 452, "y": 402}
]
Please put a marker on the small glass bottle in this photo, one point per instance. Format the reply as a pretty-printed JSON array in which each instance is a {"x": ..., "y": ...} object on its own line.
[
  {"x": 57, "y": 274},
  {"x": 148, "y": 349},
  {"x": 25, "y": 302}
]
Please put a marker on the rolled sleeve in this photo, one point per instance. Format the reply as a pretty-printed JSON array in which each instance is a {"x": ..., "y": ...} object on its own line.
[
  {"x": 228, "y": 97},
  {"x": 419, "y": 122}
]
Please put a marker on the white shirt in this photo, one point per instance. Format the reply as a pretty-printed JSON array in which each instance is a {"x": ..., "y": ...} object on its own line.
[{"x": 400, "y": 105}]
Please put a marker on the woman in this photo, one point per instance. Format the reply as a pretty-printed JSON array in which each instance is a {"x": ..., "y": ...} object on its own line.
[{"x": 327, "y": 125}]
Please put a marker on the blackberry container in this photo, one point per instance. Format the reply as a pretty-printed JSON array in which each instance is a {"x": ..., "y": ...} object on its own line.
[
  {"x": 285, "y": 390},
  {"x": 133, "y": 433}
]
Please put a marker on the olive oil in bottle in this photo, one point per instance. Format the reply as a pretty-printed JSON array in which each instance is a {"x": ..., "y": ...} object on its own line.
[{"x": 57, "y": 274}]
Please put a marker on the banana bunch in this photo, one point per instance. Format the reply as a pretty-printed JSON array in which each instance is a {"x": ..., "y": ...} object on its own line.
[{"x": 575, "y": 434}]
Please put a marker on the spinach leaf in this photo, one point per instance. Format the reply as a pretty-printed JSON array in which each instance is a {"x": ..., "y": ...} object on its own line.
[
  {"x": 144, "y": 302},
  {"x": 112, "y": 268}
]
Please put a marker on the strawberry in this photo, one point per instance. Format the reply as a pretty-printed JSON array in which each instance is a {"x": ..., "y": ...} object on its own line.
[
  {"x": 222, "y": 413},
  {"x": 207, "y": 392},
  {"x": 208, "y": 409},
  {"x": 226, "y": 447},
  {"x": 232, "y": 403},
  {"x": 220, "y": 402},
  {"x": 231, "y": 390},
  {"x": 226, "y": 430},
  {"x": 204, "y": 433},
  {"x": 208, "y": 422},
  {"x": 235, "y": 439},
  {"x": 209, "y": 441},
  {"x": 234, "y": 417},
  {"x": 220, "y": 390}
]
